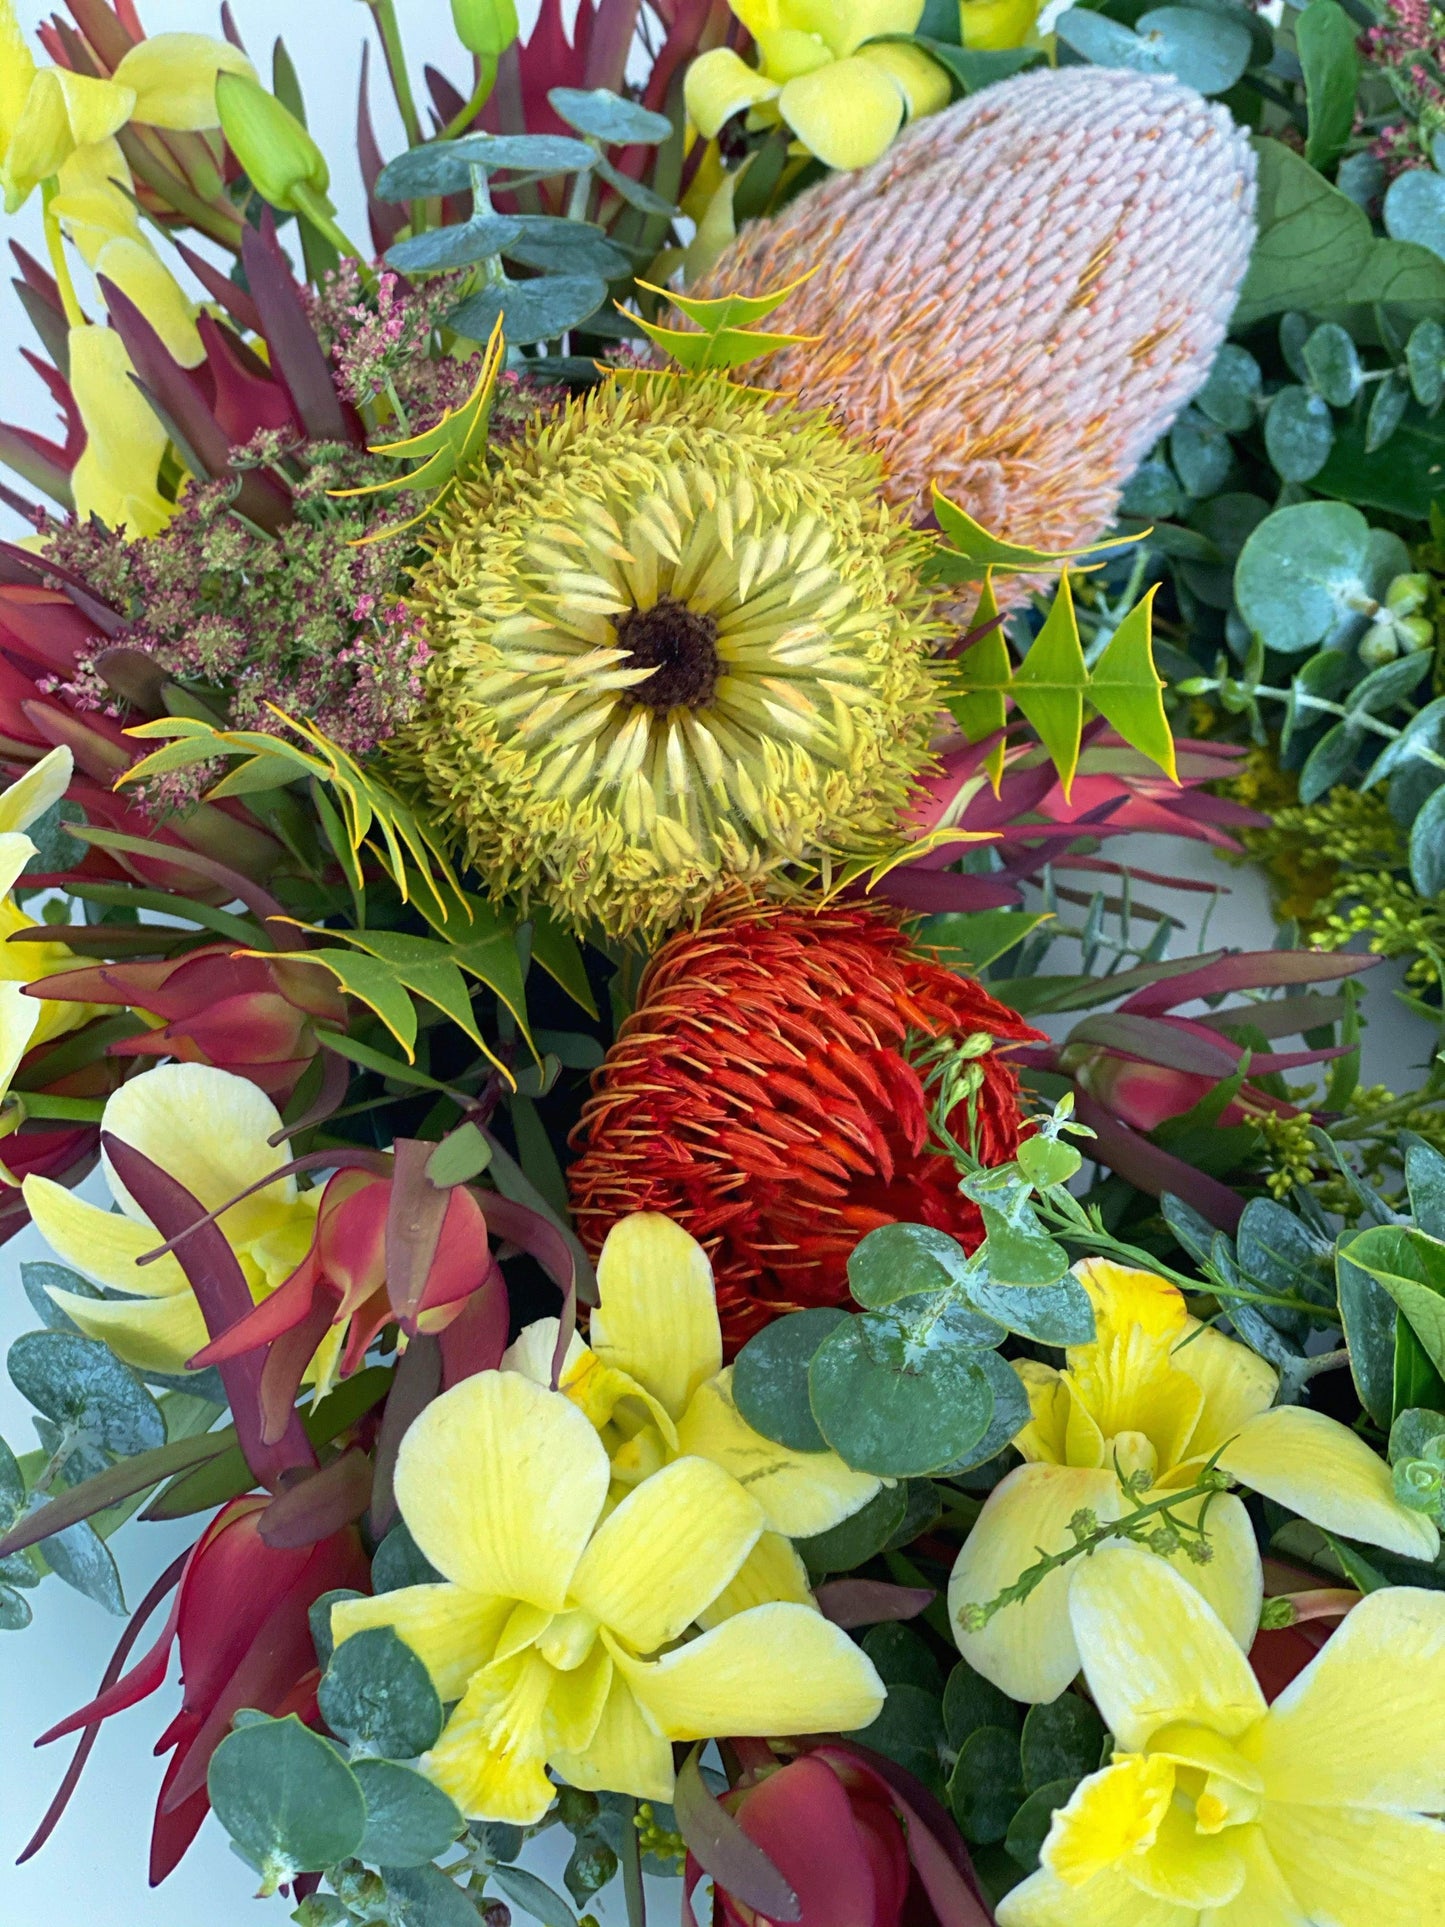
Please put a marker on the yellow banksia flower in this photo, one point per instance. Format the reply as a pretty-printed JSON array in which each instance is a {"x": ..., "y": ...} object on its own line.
[
  {"x": 1017, "y": 299},
  {"x": 677, "y": 639}
]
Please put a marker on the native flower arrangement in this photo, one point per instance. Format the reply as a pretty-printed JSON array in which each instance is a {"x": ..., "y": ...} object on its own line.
[{"x": 673, "y": 609}]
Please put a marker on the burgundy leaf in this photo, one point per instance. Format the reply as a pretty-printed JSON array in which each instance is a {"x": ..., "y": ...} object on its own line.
[
  {"x": 1156, "y": 1040},
  {"x": 413, "y": 1225},
  {"x": 869, "y": 1602},
  {"x": 915, "y": 888},
  {"x": 1151, "y": 1168},
  {"x": 222, "y": 289},
  {"x": 214, "y": 1274},
  {"x": 476, "y": 1339},
  {"x": 319, "y": 1504},
  {"x": 108, "y": 1488},
  {"x": 417, "y": 1382},
  {"x": 724, "y": 1851},
  {"x": 1246, "y": 970},
  {"x": 386, "y": 221},
  {"x": 296, "y": 354}
]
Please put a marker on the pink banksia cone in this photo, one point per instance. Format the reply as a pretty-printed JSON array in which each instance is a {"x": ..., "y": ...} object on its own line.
[{"x": 1019, "y": 297}]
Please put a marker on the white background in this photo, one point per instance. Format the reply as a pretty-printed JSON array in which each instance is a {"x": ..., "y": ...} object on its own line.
[{"x": 94, "y": 1868}]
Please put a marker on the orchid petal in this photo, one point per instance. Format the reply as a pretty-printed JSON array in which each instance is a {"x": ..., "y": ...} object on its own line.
[
  {"x": 17, "y": 71},
  {"x": 992, "y": 25},
  {"x": 1232, "y": 1579},
  {"x": 626, "y": 1753},
  {"x": 174, "y": 78},
  {"x": 62, "y": 111},
  {"x": 771, "y": 1571},
  {"x": 1110, "y": 1899},
  {"x": 1362, "y": 1869},
  {"x": 924, "y": 85},
  {"x": 775, "y": 1669},
  {"x": 1361, "y": 1726},
  {"x": 115, "y": 477},
  {"x": 719, "y": 85},
  {"x": 1236, "y": 1383},
  {"x": 1027, "y": 1649},
  {"x": 501, "y": 1483},
  {"x": 1110, "y": 1814},
  {"x": 19, "y": 1017},
  {"x": 802, "y": 1493},
  {"x": 577, "y": 1701},
  {"x": 102, "y": 1245},
  {"x": 491, "y": 1757},
  {"x": 453, "y": 1632},
  {"x": 38, "y": 790},
  {"x": 138, "y": 271},
  {"x": 1326, "y": 1473},
  {"x": 657, "y": 1320},
  {"x": 152, "y": 1334},
  {"x": 1154, "y": 1651},
  {"x": 846, "y": 113},
  {"x": 667, "y": 1552}
]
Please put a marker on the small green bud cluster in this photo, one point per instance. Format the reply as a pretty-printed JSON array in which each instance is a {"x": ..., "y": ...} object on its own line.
[{"x": 1399, "y": 628}]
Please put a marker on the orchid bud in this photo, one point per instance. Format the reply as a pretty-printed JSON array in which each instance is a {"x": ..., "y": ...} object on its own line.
[
  {"x": 485, "y": 27},
  {"x": 282, "y": 162}
]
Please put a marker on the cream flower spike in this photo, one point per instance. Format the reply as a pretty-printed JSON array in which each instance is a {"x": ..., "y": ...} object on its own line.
[
  {"x": 653, "y": 1385},
  {"x": 1019, "y": 297},
  {"x": 1220, "y": 1811},
  {"x": 1156, "y": 1393}
]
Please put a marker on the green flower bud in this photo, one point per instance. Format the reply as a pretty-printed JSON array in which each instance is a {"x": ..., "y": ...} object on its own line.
[
  {"x": 1419, "y": 1484},
  {"x": 1276, "y": 1614},
  {"x": 1415, "y": 632},
  {"x": 282, "y": 162},
  {"x": 1406, "y": 594},
  {"x": 1379, "y": 645},
  {"x": 485, "y": 27}
]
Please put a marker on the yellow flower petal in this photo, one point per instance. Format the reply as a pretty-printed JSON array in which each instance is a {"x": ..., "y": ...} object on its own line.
[
  {"x": 207, "y": 1128},
  {"x": 846, "y": 113},
  {"x": 62, "y": 111},
  {"x": 774, "y": 1670},
  {"x": 1026, "y": 1649},
  {"x": 115, "y": 476},
  {"x": 1045, "y": 1437},
  {"x": 1233, "y": 1580},
  {"x": 501, "y": 1483},
  {"x": 787, "y": 52},
  {"x": 626, "y": 1753},
  {"x": 1236, "y": 1383},
  {"x": 174, "y": 78},
  {"x": 922, "y": 82},
  {"x": 453, "y": 1632},
  {"x": 1191, "y": 1868},
  {"x": 1326, "y": 1473},
  {"x": 846, "y": 24},
  {"x": 17, "y": 70},
  {"x": 802, "y": 1493},
  {"x": 138, "y": 271},
  {"x": 1361, "y": 1725},
  {"x": 491, "y": 1757},
  {"x": 19, "y": 1017},
  {"x": 657, "y": 1320},
  {"x": 1264, "y": 1896},
  {"x": 667, "y": 1552},
  {"x": 992, "y": 25},
  {"x": 771, "y": 1571},
  {"x": 130, "y": 511},
  {"x": 1154, "y": 1652},
  {"x": 576, "y": 1702},
  {"x": 153, "y": 1334},
  {"x": 1360, "y": 1869},
  {"x": 101, "y": 1245},
  {"x": 1112, "y": 1814},
  {"x": 92, "y": 203},
  {"x": 718, "y": 85},
  {"x": 39, "y": 789},
  {"x": 1109, "y": 1900}
]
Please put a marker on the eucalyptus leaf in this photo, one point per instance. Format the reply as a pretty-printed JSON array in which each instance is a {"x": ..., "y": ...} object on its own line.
[
  {"x": 986, "y": 1786},
  {"x": 1051, "y": 1314},
  {"x": 12, "y": 1488},
  {"x": 909, "y": 1730},
  {"x": 1425, "y": 362},
  {"x": 1231, "y": 395},
  {"x": 1029, "y": 1828},
  {"x": 82, "y": 1559},
  {"x": 1299, "y": 432},
  {"x": 636, "y": 193},
  {"x": 1062, "y": 1740},
  {"x": 897, "y": 1260},
  {"x": 1415, "y": 209},
  {"x": 605, "y": 116},
  {"x": 1412, "y": 1431},
  {"x": 566, "y": 247},
  {"x": 1207, "y": 51},
  {"x": 545, "y": 1905},
  {"x": 858, "y": 1538},
  {"x": 1333, "y": 361},
  {"x": 971, "y": 1701},
  {"x": 38, "y": 1277},
  {"x": 15, "y": 1613},
  {"x": 770, "y": 1377},
  {"x": 1427, "y": 846},
  {"x": 1297, "y": 570},
  {"x": 399, "y": 1562},
  {"x": 454, "y": 247},
  {"x": 445, "y": 167},
  {"x": 898, "y": 1404},
  {"x": 1201, "y": 453},
  {"x": 318, "y": 1616},
  {"x": 81, "y": 1385},
  {"x": 379, "y": 1697},
  {"x": 289, "y": 1802},
  {"x": 1152, "y": 494},
  {"x": 1425, "y": 1182},
  {"x": 1011, "y": 1413},
  {"x": 408, "y": 1820},
  {"x": 425, "y": 1897},
  {"x": 537, "y": 310},
  {"x": 1387, "y": 411}
]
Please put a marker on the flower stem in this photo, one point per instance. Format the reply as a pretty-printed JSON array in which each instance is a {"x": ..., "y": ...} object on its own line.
[
  {"x": 631, "y": 1857},
  {"x": 384, "y": 13}
]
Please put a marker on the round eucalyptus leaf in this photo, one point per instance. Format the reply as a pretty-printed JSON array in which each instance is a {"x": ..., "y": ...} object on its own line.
[
  {"x": 15, "y": 1613},
  {"x": 636, "y": 193},
  {"x": 1204, "y": 50},
  {"x": 986, "y": 1786},
  {"x": 1390, "y": 684},
  {"x": 379, "y": 1697},
  {"x": 1062, "y": 1740},
  {"x": 1011, "y": 1413},
  {"x": 605, "y": 116},
  {"x": 902, "y": 1659},
  {"x": 408, "y": 1820},
  {"x": 1201, "y": 453},
  {"x": 1411, "y": 788},
  {"x": 39, "y": 1277},
  {"x": 453, "y": 247},
  {"x": 898, "y": 1407},
  {"x": 1029, "y": 1828},
  {"x": 318, "y": 1617},
  {"x": 12, "y": 1488},
  {"x": 286, "y": 1798},
  {"x": 770, "y": 1377},
  {"x": 1049, "y": 1314},
  {"x": 426, "y": 1897},
  {"x": 82, "y": 1559},
  {"x": 1105, "y": 42},
  {"x": 543, "y": 1903},
  {"x": 1231, "y": 396},
  {"x": 81, "y": 1384},
  {"x": 858, "y": 1538},
  {"x": 1334, "y": 364},
  {"x": 1294, "y": 331},
  {"x": 399, "y": 1561},
  {"x": 566, "y": 247},
  {"x": 971, "y": 1701},
  {"x": 1296, "y": 570},
  {"x": 1047, "y": 1160},
  {"x": 897, "y": 1260},
  {"x": 1427, "y": 846},
  {"x": 1329, "y": 762},
  {"x": 530, "y": 310},
  {"x": 1387, "y": 411},
  {"x": 526, "y": 153},
  {"x": 1299, "y": 432},
  {"x": 1151, "y": 493},
  {"x": 1229, "y": 520},
  {"x": 1415, "y": 209},
  {"x": 909, "y": 1729},
  {"x": 1425, "y": 362},
  {"x": 1018, "y": 1254},
  {"x": 1362, "y": 178}
]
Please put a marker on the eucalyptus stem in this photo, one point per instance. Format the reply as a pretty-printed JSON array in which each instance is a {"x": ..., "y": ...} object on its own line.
[{"x": 631, "y": 1857}]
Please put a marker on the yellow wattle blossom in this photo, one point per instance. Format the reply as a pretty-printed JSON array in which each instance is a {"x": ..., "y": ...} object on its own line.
[
  {"x": 1156, "y": 1394},
  {"x": 653, "y": 1384},
  {"x": 1220, "y": 1811},
  {"x": 27, "y": 1021},
  {"x": 824, "y": 74},
  {"x": 561, "y": 1629},
  {"x": 209, "y": 1130}
]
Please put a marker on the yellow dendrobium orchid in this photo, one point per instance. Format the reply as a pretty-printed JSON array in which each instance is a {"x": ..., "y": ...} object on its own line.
[
  {"x": 992, "y": 25},
  {"x": 1220, "y": 1811},
  {"x": 652, "y": 1383},
  {"x": 557, "y": 1628},
  {"x": 209, "y": 1130},
  {"x": 28, "y": 1021},
  {"x": 824, "y": 74},
  {"x": 1156, "y": 1393}
]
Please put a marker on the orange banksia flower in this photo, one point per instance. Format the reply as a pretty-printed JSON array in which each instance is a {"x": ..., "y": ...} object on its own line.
[
  {"x": 763, "y": 1095},
  {"x": 1018, "y": 298}
]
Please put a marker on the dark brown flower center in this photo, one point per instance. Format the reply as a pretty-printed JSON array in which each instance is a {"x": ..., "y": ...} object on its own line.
[{"x": 679, "y": 646}]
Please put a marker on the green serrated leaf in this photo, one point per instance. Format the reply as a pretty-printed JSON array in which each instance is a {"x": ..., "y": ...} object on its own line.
[
  {"x": 1128, "y": 691},
  {"x": 1049, "y": 685}
]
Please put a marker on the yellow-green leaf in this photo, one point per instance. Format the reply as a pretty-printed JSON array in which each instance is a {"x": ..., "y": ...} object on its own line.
[
  {"x": 975, "y": 547},
  {"x": 557, "y": 951},
  {"x": 372, "y": 983},
  {"x": 1128, "y": 691},
  {"x": 1049, "y": 685},
  {"x": 983, "y": 674},
  {"x": 728, "y": 310},
  {"x": 701, "y": 353}
]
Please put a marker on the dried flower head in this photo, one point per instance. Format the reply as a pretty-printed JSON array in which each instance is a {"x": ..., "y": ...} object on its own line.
[
  {"x": 763, "y": 1095},
  {"x": 676, "y": 638},
  {"x": 1017, "y": 299}
]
